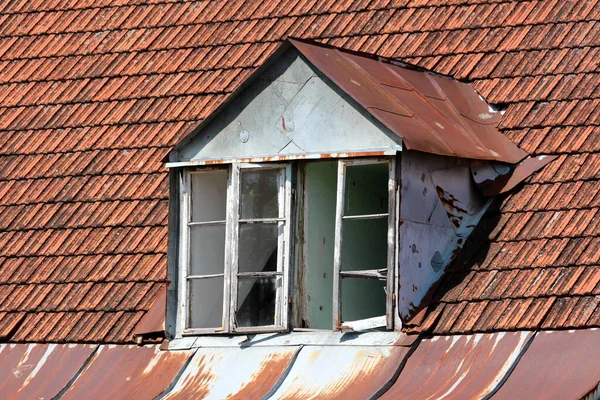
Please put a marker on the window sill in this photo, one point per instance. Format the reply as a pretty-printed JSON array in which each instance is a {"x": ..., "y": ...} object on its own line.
[{"x": 314, "y": 338}]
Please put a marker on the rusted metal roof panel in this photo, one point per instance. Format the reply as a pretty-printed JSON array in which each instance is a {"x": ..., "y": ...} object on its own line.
[
  {"x": 557, "y": 365},
  {"x": 458, "y": 367},
  {"x": 341, "y": 372},
  {"x": 431, "y": 113},
  {"x": 128, "y": 372},
  {"x": 154, "y": 320},
  {"x": 233, "y": 373},
  {"x": 39, "y": 371},
  {"x": 493, "y": 179}
]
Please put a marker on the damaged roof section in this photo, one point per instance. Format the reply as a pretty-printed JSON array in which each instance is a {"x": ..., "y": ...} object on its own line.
[{"x": 431, "y": 113}]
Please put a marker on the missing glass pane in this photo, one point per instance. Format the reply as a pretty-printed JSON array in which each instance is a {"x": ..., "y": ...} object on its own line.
[
  {"x": 260, "y": 190},
  {"x": 364, "y": 244},
  {"x": 258, "y": 247},
  {"x": 366, "y": 189},
  {"x": 256, "y": 301},
  {"x": 205, "y": 303},
  {"x": 209, "y": 196},
  {"x": 363, "y": 298},
  {"x": 207, "y": 249}
]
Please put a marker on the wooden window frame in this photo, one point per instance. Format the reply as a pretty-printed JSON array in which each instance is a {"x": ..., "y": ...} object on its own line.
[
  {"x": 386, "y": 320},
  {"x": 229, "y": 325}
]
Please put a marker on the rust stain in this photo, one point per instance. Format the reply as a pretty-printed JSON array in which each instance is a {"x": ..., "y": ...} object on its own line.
[
  {"x": 338, "y": 372},
  {"x": 458, "y": 367},
  {"x": 128, "y": 372},
  {"x": 263, "y": 379}
]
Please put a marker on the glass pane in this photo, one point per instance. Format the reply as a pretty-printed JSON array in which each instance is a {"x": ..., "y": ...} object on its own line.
[
  {"x": 209, "y": 196},
  {"x": 259, "y": 189},
  {"x": 207, "y": 249},
  {"x": 362, "y": 298},
  {"x": 364, "y": 244},
  {"x": 256, "y": 301},
  {"x": 366, "y": 189},
  {"x": 258, "y": 247},
  {"x": 205, "y": 303}
]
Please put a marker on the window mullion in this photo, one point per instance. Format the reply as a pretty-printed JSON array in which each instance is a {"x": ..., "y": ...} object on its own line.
[
  {"x": 392, "y": 242},
  {"x": 337, "y": 252},
  {"x": 286, "y": 208},
  {"x": 231, "y": 264}
]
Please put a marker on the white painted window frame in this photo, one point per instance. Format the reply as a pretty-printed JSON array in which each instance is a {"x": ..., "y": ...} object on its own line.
[
  {"x": 231, "y": 251},
  {"x": 386, "y": 320}
]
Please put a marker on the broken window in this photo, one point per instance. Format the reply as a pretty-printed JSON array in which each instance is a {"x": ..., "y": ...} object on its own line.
[{"x": 237, "y": 246}]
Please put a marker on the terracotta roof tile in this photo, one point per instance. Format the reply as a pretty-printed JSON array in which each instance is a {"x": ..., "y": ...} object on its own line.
[{"x": 87, "y": 90}]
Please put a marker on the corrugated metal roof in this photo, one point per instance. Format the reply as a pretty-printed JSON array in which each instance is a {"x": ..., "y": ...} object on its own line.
[
  {"x": 458, "y": 367},
  {"x": 39, "y": 371},
  {"x": 558, "y": 365},
  {"x": 431, "y": 113}
]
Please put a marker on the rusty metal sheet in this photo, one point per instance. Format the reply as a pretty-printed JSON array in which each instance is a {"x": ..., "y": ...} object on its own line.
[
  {"x": 233, "y": 373},
  {"x": 39, "y": 371},
  {"x": 340, "y": 372},
  {"x": 458, "y": 367},
  {"x": 128, "y": 372},
  {"x": 557, "y": 365},
  {"x": 430, "y": 113},
  {"x": 154, "y": 320},
  {"x": 493, "y": 179}
]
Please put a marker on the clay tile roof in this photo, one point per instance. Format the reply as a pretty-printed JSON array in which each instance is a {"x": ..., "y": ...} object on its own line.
[{"x": 92, "y": 96}]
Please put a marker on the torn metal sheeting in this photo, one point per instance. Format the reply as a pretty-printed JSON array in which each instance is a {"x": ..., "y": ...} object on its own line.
[
  {"x": 233, "y": 373},
  {"x": 459, "y": 367},
  {"x": 431, "y": 113},
  {"x": 558, "y": 365},
  {"x": 497, "y": 178},
  {"x": 354, "y": 372},
  {"x": 459, "y": 197},
  {"x": 127, "y": 372},
  {"x": 39, "y": 371}
]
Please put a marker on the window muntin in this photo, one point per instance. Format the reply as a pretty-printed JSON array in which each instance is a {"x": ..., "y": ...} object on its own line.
[
  {"x": 237, "y": 248},
  {"x": 364, "y": 244}
]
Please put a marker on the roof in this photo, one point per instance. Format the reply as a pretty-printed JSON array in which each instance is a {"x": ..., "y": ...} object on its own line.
[
  {"x": 498, "y": 365},
  {"x": 93, "y": 96}
]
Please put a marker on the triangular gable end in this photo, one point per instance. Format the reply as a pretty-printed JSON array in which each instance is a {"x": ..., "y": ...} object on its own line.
[{"x": 289, "y": 110}]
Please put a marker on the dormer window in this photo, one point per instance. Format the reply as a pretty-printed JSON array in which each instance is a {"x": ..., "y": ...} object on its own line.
[
  {"x": 237, "y": 245},
  {"x": 330, "y": 192}
]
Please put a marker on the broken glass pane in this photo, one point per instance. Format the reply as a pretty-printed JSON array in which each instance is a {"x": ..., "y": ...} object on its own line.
[
  {"x": 260, "y": 189},
  {"x": 256, "y": 301},
  {"x": 209, "y": 196},
  {"x": 362, "y": 298},
  {"x": 364, "y": 244},
  {"x": 206, "y": 303},
  {"x": 366, "y": 189},
  {"x": 258, "y": 247},
  {"x": 207, "y": 250}
]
